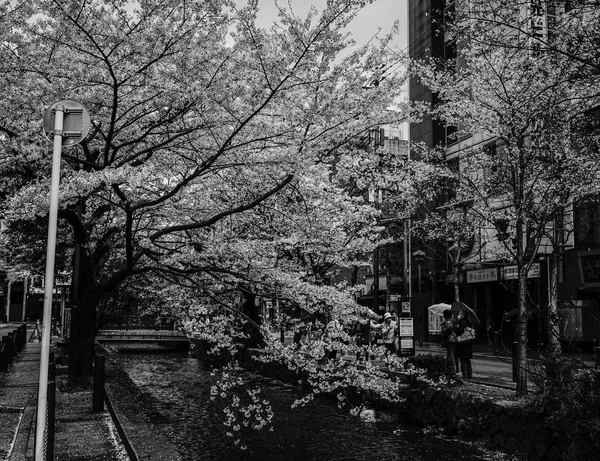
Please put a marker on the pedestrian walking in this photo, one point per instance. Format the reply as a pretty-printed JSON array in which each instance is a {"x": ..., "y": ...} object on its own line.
[
  {"x": 465, "y": 336},
  {"x": 36, "y": 334},
  {"x": 449, "y": 342}
]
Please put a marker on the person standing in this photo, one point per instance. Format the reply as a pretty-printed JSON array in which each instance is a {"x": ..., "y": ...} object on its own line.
[
  {"x": 449, "y": 341},
  {"x": 388, "y": 332},
  {"x": 465, "y": 336},
  {"x": 333, "y": 330},
  {"x": 363, "y": 335}
]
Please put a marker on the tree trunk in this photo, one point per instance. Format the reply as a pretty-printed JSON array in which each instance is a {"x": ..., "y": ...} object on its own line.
[
  {"x": 84, "y": 304},
  {"x": 254, "y": 336},
  {"x": 553, "y": 331},
  {"x": 489, "y": 323},
  {"x": 522, "y": 333},
  {"x": 354, "y": 276},
  {"x": 82, "y": 338},
  {"x": 455, "y": 279},
  {"x": 375, "y": 300}
]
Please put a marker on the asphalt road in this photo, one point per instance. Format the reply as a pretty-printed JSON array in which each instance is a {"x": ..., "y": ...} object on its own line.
[{"x": 487, "y": 367}]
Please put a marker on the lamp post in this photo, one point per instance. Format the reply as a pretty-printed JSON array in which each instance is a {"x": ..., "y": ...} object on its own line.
[{"x": 419, "y": 257}]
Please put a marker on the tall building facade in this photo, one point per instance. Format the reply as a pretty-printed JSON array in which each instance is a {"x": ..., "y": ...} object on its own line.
[{"x": 488, "y": 277}]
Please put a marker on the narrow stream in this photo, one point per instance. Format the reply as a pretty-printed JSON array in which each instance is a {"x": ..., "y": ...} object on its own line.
[{"x": 179, "y": 389}]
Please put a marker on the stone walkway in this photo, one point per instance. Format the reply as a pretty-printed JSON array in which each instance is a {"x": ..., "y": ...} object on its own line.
[
  {"x": 18, "y": 394},
  {"x": 80, "y": 434}
]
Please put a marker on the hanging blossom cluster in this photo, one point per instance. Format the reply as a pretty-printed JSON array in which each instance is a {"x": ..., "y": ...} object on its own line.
[
  {"x": 327, "y": 376},
  {"x": 221, "y": 330},
  {"x": 243, "y": 405}
]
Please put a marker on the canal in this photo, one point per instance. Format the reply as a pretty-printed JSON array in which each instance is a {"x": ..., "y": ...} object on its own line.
[{"x": 178, "y": 387}]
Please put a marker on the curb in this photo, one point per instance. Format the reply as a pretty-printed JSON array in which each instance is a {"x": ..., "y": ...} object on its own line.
[
  {"x": 133, "y": 456},
  {"x": 24, "y": 432}
]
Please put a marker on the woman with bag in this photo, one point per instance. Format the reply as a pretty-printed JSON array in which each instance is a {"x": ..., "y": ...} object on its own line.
[{"x": 465, "y": 336}]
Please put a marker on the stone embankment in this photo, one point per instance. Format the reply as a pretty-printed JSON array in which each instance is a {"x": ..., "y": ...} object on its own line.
[{"x": 503, "y": 424}]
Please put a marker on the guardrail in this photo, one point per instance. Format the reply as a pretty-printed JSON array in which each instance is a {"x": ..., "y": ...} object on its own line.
[{"x": 12, "y": 343}]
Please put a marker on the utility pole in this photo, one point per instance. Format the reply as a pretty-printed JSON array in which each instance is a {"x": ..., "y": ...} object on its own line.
[
  {"x": 419, "y": 257},
  {"x": 378, "y": 140}
]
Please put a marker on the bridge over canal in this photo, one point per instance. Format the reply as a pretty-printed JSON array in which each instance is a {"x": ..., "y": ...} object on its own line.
[{"x": 144, "y": 340}]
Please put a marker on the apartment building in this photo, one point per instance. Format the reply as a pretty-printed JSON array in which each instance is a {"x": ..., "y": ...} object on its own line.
[{"x": 488, "y": 275}]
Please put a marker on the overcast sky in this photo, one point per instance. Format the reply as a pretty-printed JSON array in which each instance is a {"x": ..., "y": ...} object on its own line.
[{"x": 380, "y": 14}]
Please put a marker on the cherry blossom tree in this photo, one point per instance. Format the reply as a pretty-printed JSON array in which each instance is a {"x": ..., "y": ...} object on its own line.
[{"x": 213, "y": 152}]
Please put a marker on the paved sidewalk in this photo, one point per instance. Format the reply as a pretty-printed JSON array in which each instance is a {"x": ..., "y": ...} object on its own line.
[
  {"x": 496, "y": 369},
  {"x": 79, "y": 433},
  {"x": 18, "y": 395}
]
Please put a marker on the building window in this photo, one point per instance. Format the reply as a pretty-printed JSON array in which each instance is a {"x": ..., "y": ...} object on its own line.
[
  {"x": 587, "y": 223},
  {"x": 16, "y": 297},
  {"x": 490, "y": 153}
]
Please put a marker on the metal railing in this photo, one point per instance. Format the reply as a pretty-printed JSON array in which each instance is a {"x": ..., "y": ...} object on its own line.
[{"x": 12, "y": 344}]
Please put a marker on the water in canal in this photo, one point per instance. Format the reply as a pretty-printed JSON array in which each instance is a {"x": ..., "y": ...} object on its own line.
[{"x": 179, "y": 389}]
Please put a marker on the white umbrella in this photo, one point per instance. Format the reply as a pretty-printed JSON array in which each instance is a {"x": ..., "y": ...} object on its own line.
[
  {"x": 439, "y": 307},
  {"x": 436, "y": 316}
]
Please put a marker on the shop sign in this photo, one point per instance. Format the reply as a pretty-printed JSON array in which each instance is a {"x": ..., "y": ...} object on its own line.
[
  {"x": 512, "y": 273},
  {"x": 406, "y": 326},
  {"x": 436, "y": 317},
  {"x": 538, "y": 20},
  {"x": 589, "y": 268},
  {"x": 61, "y": 279},
  {"x": 406, "y": 332},
  {"x": 406, "y": 343},
  {"x": 450, "y": 278},
  {"x": 482, "y": 275}
]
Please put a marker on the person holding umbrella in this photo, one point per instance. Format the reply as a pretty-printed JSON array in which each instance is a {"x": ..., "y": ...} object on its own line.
[
  {"x": 461, "y": 310},
  {"x": 465, "y": 336}
]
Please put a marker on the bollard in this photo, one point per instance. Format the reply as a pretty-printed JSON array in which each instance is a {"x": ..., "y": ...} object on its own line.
[
  {"x": 17, "y": 339},
  {"x": 515, "y": 361},
  {"x": 20, "y": 335},
  {"x": 51, "y": 408},
  {"x": 3, "y": 354},
  {"x": 20, "y": 343},
  {"x": 98, "y": 389},
  {"x": 10, "y": 344},
  {"x": 51, "y": 367}
]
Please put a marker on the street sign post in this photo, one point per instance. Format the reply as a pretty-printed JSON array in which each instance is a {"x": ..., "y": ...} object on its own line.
[
  {"x": 406, "y": 334},
  {"x": 65, "y": 123},
  {"x": 75, "y": 122}
]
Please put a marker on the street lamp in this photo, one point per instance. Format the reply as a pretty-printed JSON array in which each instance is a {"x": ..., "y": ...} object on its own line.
[{"x": 419, "y": 257}]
